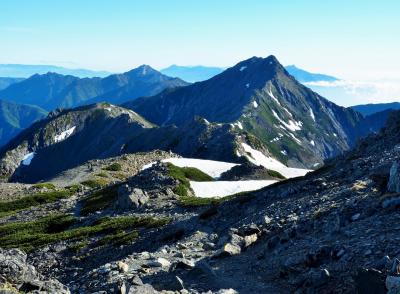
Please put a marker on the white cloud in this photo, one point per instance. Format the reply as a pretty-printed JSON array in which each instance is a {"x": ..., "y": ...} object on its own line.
[{"x": 347, "y": 92}]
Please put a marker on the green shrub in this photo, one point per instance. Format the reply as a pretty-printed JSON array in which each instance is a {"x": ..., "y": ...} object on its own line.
[
  {"x": 193, "y": 201},
  {"x": 99, "y": 200},
  {"x": 119, "y": 238},
  {"x": 120, "y": 176},
  {"x": 33, "y": 200},
  {"x": 54, "y": 228},
  {"x": 188, "y": 173},
  {"x": 184, "y": 175},
  {"x": 95, "y": 183},
  {"x": 275, "y": 174},
  {"x": 116, "y": 166},
  {"x": 102, "y": 175}
]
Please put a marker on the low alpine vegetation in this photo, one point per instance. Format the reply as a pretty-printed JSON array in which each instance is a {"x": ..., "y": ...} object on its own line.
[
  {"x": 95, "y": 183},
  {"x": 184, "y": 175},
  {"x": 55, "y": 228},
  {"x": 11, "y": 207},
  {"x": 116, "y": 166}
]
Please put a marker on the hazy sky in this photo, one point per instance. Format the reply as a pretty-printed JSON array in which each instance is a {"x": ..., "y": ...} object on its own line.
[{"x": 350, "y": 39}]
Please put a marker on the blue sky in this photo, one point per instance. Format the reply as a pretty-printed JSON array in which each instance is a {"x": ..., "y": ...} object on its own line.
[{"x": 350, "y": 39}]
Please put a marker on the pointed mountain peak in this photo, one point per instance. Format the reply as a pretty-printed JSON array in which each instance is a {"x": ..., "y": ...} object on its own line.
[
  {"x": 261, "y": 65},
  {"x": 143, "y": 70}
]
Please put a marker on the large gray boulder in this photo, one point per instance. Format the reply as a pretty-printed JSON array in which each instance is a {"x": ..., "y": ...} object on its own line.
[
  {"x": 130, "y": 198},
  {"x": 394, "y": 179},
  {"x": 15, "y": 270}
]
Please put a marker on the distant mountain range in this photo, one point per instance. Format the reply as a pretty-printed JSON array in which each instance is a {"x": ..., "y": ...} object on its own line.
[
  {"x": 26, "y": 70},
  {"x": 52, "y": 90},
  {"x": 254, "y": 110},
  {"x": 202, "y": 73},
  {"x": 305, "y": 77},
  {"x": 16, "y": 117},
  {"x": 368, "y": 109},
  {"x": 5, "y": 82}
]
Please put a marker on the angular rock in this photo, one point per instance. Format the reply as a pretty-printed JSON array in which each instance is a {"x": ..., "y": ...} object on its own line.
[
  {"x": 370, "y": 281},
  {"x": 393, "y": 284},
  {"x": 130, "y": 198},
  {"x": 394, "y": 179},
  {"x": 122, "y": 267},
  {"x": 230, "y": 250}
]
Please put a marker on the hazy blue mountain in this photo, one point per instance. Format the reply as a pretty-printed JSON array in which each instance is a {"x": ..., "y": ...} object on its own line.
[
  {"x": 45, "y": 91},
  {"x": 53, "y": 90},
  {"x": 27, "y": 70},
  {"x": 5, "y": 82},
  {"x": 192, "y": 73},
  {"x": 368, "y": 109},
  {"x": 16, "y": 117},
  {"x": 202, "y": 73},
  {"x": 141, "y": 81},
  {"x": 304, "y": 76}
]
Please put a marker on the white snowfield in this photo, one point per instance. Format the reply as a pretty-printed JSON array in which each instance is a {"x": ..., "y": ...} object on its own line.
[
  {"x": 28, "y": 158},
  {"x": 211, "y": 167},
  {"x": 259, "y": 158},
  {"x": 226, "y": 188},
  {"x": 64, "y": 135}
]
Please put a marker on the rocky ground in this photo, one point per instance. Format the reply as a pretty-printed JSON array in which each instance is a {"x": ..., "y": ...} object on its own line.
[{"x": 335, "y": 230}]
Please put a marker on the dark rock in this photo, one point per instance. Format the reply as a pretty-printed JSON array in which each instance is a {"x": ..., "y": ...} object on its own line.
[
  {"x": 394, "y": 178},
  {"x": 316, "y": 278},
  {"x": 130, "y": 198},
  {"x": 370, "y": 281}
]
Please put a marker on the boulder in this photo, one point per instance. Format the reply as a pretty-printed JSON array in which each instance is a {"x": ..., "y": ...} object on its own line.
[
  {"x": 393, "y": 284},
  {"x": 370, "y": 281},
  {"x": 130, "y": 198},
  {"x": 14, "y": 268},
  {"x": 394, "y": 178},
  {"x": 317, "y": 277}
]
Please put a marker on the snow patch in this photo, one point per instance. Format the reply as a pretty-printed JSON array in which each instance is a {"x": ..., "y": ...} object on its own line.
[
  {"x": 64, "y": 135},
  {"x": 28, "y": 158},
  {"x": 312, "y": 142},
  {"x": 284, "y": 152},
  {"x": 259, "y": 158},
  {"x": 290, "y": 125},
  {"x": 270, "y": 94},
  {"x": 275, "y": 139},
  {"x": 226, "y": 188},
  {"x": 239, "y": 124},
  {"x": 243, "y": 68},
  {"x": 295, "y": 138},
  {"x": 312, "y": 115},
  {"x": 255, "y": 104},
  {"x": 211, "y": 167}
]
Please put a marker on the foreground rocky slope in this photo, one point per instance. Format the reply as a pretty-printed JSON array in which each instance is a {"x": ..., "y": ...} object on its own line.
[{"x": 332, "y": 231}]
